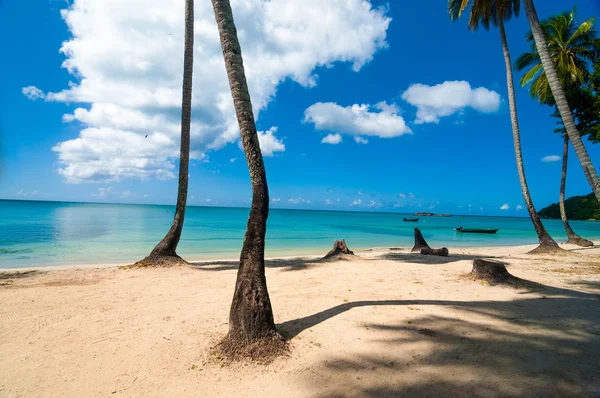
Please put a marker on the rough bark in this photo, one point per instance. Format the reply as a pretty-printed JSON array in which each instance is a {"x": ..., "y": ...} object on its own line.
[
  {"x": 251, "y": 315},
  {"x": 547, "y": 244},
  {"x": 571, "y": 235},
  {"x": 490, "y": 271},
  {"x": 164, "y": 253},
  {"x": 340, "y": 250},
  {"x": 420, "y": 242},
  {"x": 561, "y": 100},
  {"x": 435, "y": 252}
]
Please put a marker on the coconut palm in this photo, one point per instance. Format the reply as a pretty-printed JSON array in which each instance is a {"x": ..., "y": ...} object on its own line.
[
  {"x": 572, "y": 49},
  {"x": 484, "y": 12},
  {"x": 251, "y": 316},
  {"x": 558, "y": 93},
  {"x": 164, "y": 253}
]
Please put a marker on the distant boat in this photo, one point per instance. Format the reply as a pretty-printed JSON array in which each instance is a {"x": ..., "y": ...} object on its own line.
[
  {"x": 411, "y": 219},
  {"x": 428, "y": 214},
  {"x": 477, "y": 230}
]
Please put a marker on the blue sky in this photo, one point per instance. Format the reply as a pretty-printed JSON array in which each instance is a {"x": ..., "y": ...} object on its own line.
[{"x": 453, "y": 157}]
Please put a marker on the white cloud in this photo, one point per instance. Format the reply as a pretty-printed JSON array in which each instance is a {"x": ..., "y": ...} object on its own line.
[
  {"x": 33, "y": 93},
  {"x": 275, "y": 200},
  {"x": 359, "y": 193},
  {"x": 373, "y": 204},
  {"x": 360, "y": 140},
  {"x": 269, "y": 144},
  {"x": 232, "y": 160},
  {"x": 380, "y": 120},
  {"x": 445, "y": 99},
  {"x": 332, "y": 139},
  {"x": 297, "y": 200},
  {"x": 126, "y": 194},
  {"x": 103, "y": 192},
  {"x": 208, "y": 200},
  {"x": 397, "y": 205},
  {"x": 402, "y": 195},
  {"x": 519, "y": 207},
  {"x": 357, "y": 202},
  {"x": 145, "y": 195},
  {"x": 505, "y": 207},
  {"x": 126, "y": 60},
  {"x": 411, "y": 195},
  {"x": 551, "y": 158},
  {"x": 329, "y": 202}
]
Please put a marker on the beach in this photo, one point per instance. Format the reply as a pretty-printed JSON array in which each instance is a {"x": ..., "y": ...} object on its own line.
[{"x": 389, "y": 323}]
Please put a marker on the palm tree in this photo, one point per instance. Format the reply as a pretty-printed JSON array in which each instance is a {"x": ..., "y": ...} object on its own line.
[
  {"x": 572, "y": 48},
  {"x": 164, "y": 253},
  {"x": 559, "y": 96},
  {"x": 496, "y": 12},
  {"x": 251, "y": 316}
]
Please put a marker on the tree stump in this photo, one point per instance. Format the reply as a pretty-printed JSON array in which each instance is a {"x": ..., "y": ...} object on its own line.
[
  {"x": 340, "y": 250},
  {"x": 491, "y": 271},
  {"x": 435, "y": 252},
  {"x": 420, "y": 242}
]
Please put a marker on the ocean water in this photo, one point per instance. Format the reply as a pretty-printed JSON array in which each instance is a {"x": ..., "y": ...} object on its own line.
[{"x": 63, "y": 233}]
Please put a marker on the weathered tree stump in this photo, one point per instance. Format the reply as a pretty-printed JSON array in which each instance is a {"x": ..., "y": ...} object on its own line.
[
  {"x": 435, "y": 252},
  {"x": 491, "y": 271},
  {"x": 340, "y": 250},
  {"x": 420, "y": 242}
]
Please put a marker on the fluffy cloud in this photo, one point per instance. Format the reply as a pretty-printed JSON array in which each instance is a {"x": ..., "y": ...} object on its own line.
[
  {"x": 126, "y": 59},
  {"x": 276, "y": 200},
  {"x": 331, "y": 139},
  {"x": 360, "y": 140},
  {"x": 551, "y": 158},
  {"x": 357, "y": 202},
  {"x": 296, "y": 201},
  {"x": 269, "y": 144},
  {"x": 33, "y": 93},
  {"x": 445, "y": 99},
  {"x": 232, "y": 160},
  {"x": 519, "y": 207},
  {"x": 380, "y": 120},
  {"x": 402, "y": 195},
  {"x": 103, "y": 192},
  {"x": 505, "y": 207}
]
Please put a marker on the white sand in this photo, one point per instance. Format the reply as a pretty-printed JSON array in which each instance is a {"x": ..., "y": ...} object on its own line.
[{"x": 394, "y": 324}]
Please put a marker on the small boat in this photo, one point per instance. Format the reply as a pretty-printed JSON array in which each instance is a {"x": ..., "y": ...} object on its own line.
[
  {"x": 477, "y": 230},
  {"x": 411, "y": 219}
]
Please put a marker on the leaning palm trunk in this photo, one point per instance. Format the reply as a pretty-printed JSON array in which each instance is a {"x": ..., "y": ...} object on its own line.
[
  {"x": 547, "y": 244},
  {"x": 561, "y": 101},
  {"x": 571, "y": 235},
  {"x": 251, "y": 316},
  {"x": 164, "y": 253}
]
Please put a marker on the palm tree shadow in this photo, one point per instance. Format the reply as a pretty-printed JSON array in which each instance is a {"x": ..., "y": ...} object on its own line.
[
  {"x": 427, "y": 259},
  {"x": 294, "y": 327},
  {"x": 286, "y": 264},
  {"x": 531, "y": 346}
]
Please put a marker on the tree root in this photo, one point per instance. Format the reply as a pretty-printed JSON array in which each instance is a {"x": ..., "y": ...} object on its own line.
[
  {"x": 263, "y": 351},
  {"x": 579, "y": 241},
  {"x": 159, "y": 261},
  {"x": 548, "y": 249}
]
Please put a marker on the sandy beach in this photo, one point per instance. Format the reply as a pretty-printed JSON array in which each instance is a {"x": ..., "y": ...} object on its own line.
[{"x": 389, "y": 324}]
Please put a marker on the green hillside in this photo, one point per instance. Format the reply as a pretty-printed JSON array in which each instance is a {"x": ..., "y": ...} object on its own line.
[{"x": 577, "y": 208}]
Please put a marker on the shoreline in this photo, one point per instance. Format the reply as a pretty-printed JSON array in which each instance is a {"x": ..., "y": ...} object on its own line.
[{"x": 311, "y": 254}]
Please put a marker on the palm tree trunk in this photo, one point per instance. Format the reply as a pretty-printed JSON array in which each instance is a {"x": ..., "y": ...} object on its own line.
[
  {"x": 560, "y": 98},
  {"x": 164, "y": 253},
  {"x": 251, "y": 316},
  {"x": 571, "y": 235},
  {"x": 546, "y": 241}
]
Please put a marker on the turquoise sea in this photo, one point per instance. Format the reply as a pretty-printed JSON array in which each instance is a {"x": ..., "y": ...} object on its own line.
[{"x": 62, "y": 233}]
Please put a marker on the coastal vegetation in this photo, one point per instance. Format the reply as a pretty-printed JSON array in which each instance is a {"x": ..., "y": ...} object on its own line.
[
  {"x": 165, "y": 252},
  {"x": 573, "y": 47},
  {"x": 252, "y": 331},
  {"x": 576, "y": 208},
  {"x": 497, "y": 12}
]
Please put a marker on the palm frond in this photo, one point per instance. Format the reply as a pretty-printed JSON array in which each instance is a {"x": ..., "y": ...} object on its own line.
[
  {"x": 531, "y": 74},
  {"x": 527, "y": 59}
]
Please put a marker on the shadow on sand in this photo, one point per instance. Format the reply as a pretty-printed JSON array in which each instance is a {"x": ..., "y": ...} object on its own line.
[{"x": 546, "y": 343}]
